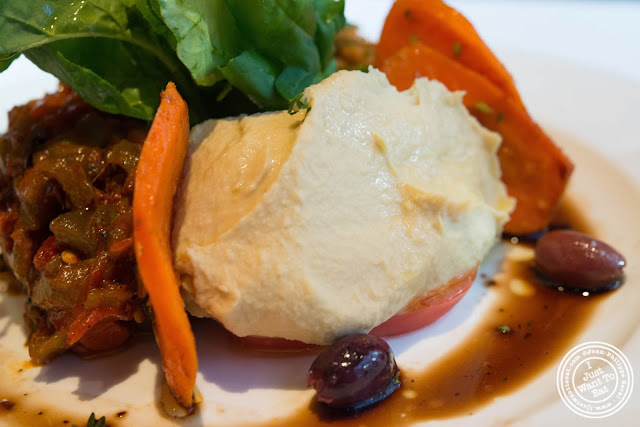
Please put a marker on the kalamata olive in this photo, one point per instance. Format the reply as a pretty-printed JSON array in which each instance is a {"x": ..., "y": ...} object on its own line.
[
  {"x": 354, "y": 372},
  {"x": 578, "y": 262}
]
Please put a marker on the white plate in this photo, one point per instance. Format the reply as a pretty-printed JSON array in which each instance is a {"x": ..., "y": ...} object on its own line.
[{"x": 592, "y": 114}]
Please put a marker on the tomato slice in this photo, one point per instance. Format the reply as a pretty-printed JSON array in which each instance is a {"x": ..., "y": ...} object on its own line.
[
  {"x": 107, "y": 335},
  {"x": 425, "y": 310},
  {"x": 275, "y": 344},
  {"x": 419, "y": 313}
]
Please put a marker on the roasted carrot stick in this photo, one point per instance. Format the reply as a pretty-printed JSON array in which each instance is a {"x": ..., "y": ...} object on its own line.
[
  {"x": 534, "y": 170},
  {"x": 434, "y": 24},
  {"x": 159, "y": 168}
]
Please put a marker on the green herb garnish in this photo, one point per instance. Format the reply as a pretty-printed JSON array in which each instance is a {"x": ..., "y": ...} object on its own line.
[
  {"x": 224, "y": 92},
  {"x": 483, "y": 108},
  {"x": 298, "y": 104},
  {"x": 504, "y": 329},
  {"x": 92, "y": 422},
  {"x": 457, "y": 49}
]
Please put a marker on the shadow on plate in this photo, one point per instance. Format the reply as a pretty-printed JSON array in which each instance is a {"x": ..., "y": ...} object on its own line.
[
  {"x": 11, "y": 312},
  {"x": 160, "y": 389},
  {"x": 237, "y": 369},
  {"x": 97, "y": 376}
]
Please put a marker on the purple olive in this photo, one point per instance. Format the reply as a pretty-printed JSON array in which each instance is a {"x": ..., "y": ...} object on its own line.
[
  {"x": 354, "y": 372},
  {"x": 578, "y": 262}
]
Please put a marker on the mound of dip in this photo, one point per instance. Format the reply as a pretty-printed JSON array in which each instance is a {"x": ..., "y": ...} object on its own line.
[{"x": 313, "y": 225}]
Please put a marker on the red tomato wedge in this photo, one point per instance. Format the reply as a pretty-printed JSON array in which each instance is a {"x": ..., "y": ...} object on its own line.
[
  {"x": 106, "y": 335},
  {"x": 419, "y": 313},
  {"x": 425, "y": 310},
  {"x": 275, "y": 344}
]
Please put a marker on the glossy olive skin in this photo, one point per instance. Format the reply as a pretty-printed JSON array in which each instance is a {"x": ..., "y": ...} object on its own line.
[
  {"x": 354, "y": 372},
  {"x": 578, "y": 262}
]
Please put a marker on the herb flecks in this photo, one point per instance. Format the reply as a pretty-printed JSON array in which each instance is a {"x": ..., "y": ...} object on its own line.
[
  {"x": 483, "y": 108},
  {"x": 93, "y": 422},
  {"x": 457, "y": 49},
  {"x": 504, "y": 329},
  {"x": 224, "y": 92},
  {"x": 299, "y": 103}
]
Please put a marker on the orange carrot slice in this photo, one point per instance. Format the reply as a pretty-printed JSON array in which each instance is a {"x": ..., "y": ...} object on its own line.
[
  {"x": 159, "y": 168},
  {"x": 534, "y": 169},
  {"x": 434, "y": 24}
]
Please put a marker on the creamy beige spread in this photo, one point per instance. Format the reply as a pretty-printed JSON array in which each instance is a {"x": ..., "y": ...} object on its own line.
[{"x": 329, "y": 221}]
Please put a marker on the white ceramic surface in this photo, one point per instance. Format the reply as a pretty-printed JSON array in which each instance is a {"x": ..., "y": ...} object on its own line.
[{"x": 594, "y": 114}]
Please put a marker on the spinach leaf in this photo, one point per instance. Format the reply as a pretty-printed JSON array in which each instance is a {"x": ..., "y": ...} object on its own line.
[
  {"x": 222, "y": 54},
  {"x": 292, "y": 80},
  {"x": 270, "y": 50},
  {"x": 281, "y": 30},
  {"x": 5, "y": 62},
  {"x": 207, "y": 37},
  {"x": 103, "y": 49},
  {"x": 254, "y": 75},
  {"x": 151, "y": 12},
  {"x": 114, "y": 90},
  {"x": 330, "y": 19}
]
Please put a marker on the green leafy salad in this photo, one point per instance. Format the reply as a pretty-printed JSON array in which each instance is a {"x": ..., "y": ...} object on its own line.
[{"x": 225, "y": 56}]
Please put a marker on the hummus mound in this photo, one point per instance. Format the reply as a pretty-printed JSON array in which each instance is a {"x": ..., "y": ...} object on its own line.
[{"x": 329, "y": 221}]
